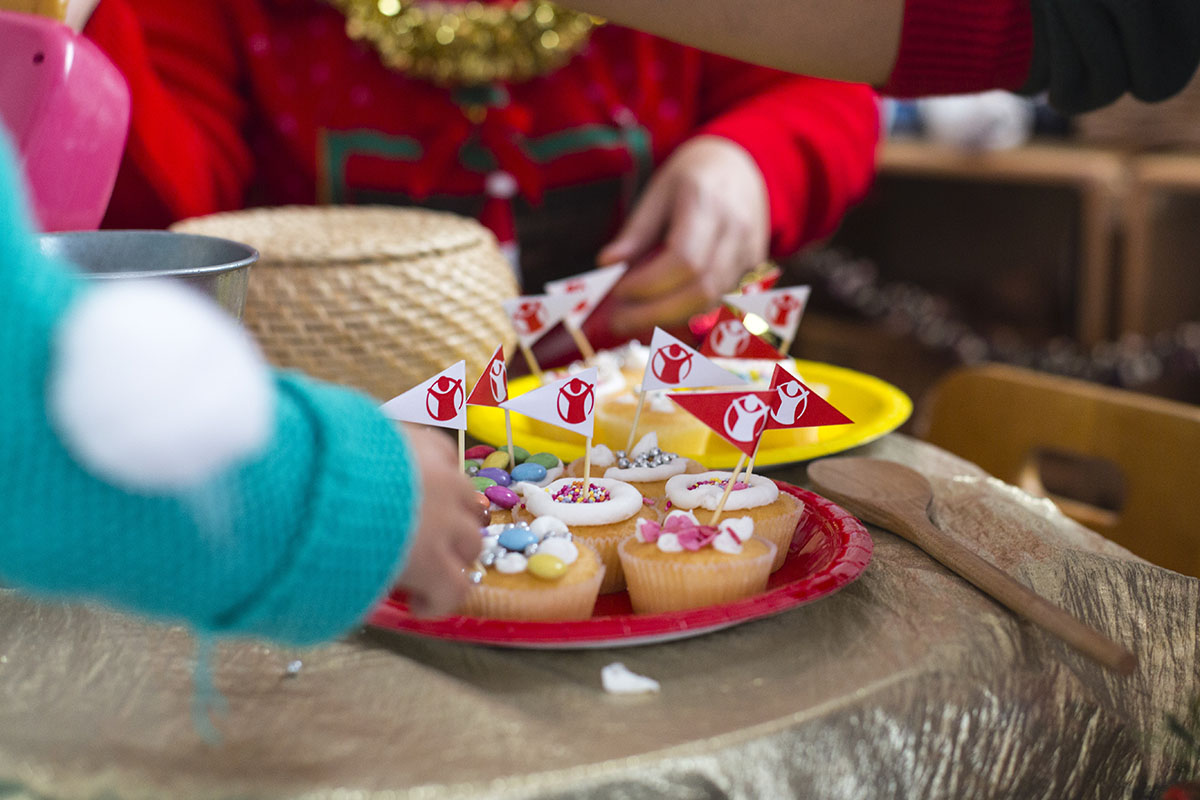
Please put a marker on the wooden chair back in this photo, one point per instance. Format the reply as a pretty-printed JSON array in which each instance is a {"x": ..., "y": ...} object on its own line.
[{"x": 1124, "y": 464}]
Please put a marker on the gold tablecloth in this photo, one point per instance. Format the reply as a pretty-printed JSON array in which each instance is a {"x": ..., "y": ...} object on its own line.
[{"x": 907, "y": 683}]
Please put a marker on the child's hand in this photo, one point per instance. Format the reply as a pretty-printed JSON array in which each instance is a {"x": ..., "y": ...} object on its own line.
[{"x": 448, "y": 539}]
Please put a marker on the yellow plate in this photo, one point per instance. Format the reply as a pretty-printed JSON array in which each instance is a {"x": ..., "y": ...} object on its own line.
[{"x": 877, "y": 408}]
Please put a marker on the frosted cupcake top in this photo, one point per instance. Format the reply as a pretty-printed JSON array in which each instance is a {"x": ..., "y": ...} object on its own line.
[
  {"x": 543, "y": 548},
  {"x": 602, "y": 502},
  {"x": 681, "y": 531},
  {"x": 704, "y": 490},
  {"x": 644, "y": 464}
]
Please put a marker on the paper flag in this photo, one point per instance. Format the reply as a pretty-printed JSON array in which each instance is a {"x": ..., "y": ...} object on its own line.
[
  {"x": 729, "y": 338},
  {"x": 738, "y": 417},
  {"x": 781, "y": 308},
  {"x": 492, "y": 387},
  {"x": 586, "y": 290},
  {"x": 533, "y": 315},
  {"x": 439, "y": 401},
  {"x": 794, "y": 405},
  {"x": 568, "y": 403},
  {"x": 673, "y": 365},
  {"x": 762, "y": 284}
]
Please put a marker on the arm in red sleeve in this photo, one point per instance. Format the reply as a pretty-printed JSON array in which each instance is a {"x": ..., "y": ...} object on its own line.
[
  {"x": 185, "y": 155},
  {"x": 813, "y": 140}
]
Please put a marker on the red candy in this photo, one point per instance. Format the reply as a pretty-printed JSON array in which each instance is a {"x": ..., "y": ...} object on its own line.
[{"x": 479, "y": 451}]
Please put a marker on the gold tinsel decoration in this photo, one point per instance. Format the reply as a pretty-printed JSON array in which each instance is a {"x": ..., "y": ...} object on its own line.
[{"x": 466, "y": 44}]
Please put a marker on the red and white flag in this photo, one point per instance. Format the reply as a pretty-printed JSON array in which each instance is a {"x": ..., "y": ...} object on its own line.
[
  {"x": 794, "y": 405},
  {"x": 492, "y": 387},
  {"x": 586, "y": 290},
  {"x": 738, "y": 417},
  {"x": 673, "y": 365},
  {"x": 440, "y": 401},
  {"x": 533, "y": 315},
  {"x": 763, "y": 283},
  {"x": 568, "y": 403},
  {"x": 729, "y": 338},
  {"x": 781, "y": 308}
]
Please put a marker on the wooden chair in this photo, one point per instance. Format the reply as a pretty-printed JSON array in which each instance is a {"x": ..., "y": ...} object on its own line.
[{"x": 1124, "y": 464}]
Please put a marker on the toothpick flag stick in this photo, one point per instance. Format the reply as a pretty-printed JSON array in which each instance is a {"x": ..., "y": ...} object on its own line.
[
  {"x": 532, "y": 362},
  {"x": 728, "y": 488},
  {"x": 585, "y": 347},
  {"x": 587, "y": 464},
  {"x": 462, "y": 449},
  {"x": 637, "y": 415},
  {"x": 512, "y": 456},
  {"x": 750, "y": 466}
]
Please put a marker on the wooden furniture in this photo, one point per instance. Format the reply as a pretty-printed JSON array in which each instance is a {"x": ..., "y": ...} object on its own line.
[
  {"x": 56, "y": 9},
  {"x": 1159, "y": 280},
  {"x": 1022, "y": 426},
  {"x": 1097, "y": 176}
]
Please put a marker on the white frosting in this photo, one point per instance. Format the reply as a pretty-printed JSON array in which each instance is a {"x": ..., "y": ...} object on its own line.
[
  {"x": 511, "y": 563},
  {"x": 542, "y": 526},
  {"x": 488, "y": 542},
  {"x": 669, "y": 543},
  {"x": 761, "y": 491},
  {"x": 624, "y": 502},
  {"x": 645, "y": 444},
  {"x": 733, "y": 533},
  {"x": 602, "y": 456},
  {"x": 560, "y": 548},
  {"x": 618, "y": 679},
  {"x": 658, "y": 401},
  {"x": 646, "y": 474},
  {"x": 678, "y": 512}
]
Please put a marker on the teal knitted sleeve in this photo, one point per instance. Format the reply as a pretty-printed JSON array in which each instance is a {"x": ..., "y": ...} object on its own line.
[{"x": 295, "y": 545}]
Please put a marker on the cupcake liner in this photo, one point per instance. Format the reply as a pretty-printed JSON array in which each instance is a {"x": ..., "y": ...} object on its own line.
[
  {"x": 660, "y": 585},
  {"x": 561, "y": 600},
  {"x": 776, "y": 523},
  {"x": 604, "y": 540}
]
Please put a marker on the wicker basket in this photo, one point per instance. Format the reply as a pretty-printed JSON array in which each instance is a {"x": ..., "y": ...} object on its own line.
[{"x": 379, "y": 298}]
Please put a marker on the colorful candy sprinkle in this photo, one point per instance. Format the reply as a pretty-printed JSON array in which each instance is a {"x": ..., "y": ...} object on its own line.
[
  {"x": 482, "y": 484},
  {"x": 529, "y": 471},
  {"x": 498, "y": 459},
  {"x": 515, "y": 538},
  {"x": 718, "y": 482},
  {"x": 574, "y": 492},
  {"x": 495, "y": 473},
  {"x": 502, "y": 496},
  {"x": 546, "y": 566},
  {"x": 547, "y": 460},
  {"x": 479, "y": 452}
]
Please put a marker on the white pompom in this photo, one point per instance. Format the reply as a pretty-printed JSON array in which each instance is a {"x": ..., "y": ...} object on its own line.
[
  {"x": 154, "y": 389},
  {"x": 980, "y": 122}
]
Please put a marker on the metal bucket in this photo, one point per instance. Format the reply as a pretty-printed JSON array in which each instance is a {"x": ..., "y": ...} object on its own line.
[{"x": 219, "y": 268}]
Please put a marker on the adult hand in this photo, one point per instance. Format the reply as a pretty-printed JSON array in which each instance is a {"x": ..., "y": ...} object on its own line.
[
  {"x": 447, "y": 534},
  {"x": 706, "y": 213}
]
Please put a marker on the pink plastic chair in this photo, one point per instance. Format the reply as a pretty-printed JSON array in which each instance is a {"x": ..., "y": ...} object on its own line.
[{"x": 67, "y": 109}]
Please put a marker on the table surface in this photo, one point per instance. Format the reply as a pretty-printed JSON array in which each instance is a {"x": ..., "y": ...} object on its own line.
[{"x": 907, "y": 683}]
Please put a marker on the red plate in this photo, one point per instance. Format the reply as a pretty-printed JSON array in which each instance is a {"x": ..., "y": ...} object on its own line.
[{"x": 830, "y": 549}]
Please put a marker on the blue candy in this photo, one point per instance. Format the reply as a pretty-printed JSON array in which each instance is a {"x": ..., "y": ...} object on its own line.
[
  {"x": 517, "y": 538},
  {"x": 529, "y": 471},
  {"x": 495, "y": 473}
]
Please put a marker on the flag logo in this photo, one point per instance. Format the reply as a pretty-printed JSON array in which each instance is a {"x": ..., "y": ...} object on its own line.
[
  {"x": 443, "y": 399},
  {"x": 781, "y": 309},
  {"x": 790, "y": 403},
  {"x": 576, "y": 399},
  {"x": 745, "y": 418},
  {"x": 672, "y": 364},
  {"x": 729, "y": 338},
  {"x": 529, "y": 317},
  {"x": 498, "y": 375}
]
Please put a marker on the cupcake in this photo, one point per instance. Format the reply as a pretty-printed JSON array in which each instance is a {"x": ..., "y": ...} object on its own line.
[
  {"x": 600, "y": 516},
  {"x": 533, "y": 572},
  {"x": 775, "y": 514},
  {"x": 647, "y": 468},
  {"x": 683, "y": 564}
]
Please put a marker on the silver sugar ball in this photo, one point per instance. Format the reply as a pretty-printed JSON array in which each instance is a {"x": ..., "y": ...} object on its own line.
[
  {"x": 475, "y": 576},
  {"x": 623, "y": 463},
  {"x": 293, "y": 668},
  {"x": 531, "y": 549}
]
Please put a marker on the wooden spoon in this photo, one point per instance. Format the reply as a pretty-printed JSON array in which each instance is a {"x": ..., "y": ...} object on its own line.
[{"x": 897, "y": 498}]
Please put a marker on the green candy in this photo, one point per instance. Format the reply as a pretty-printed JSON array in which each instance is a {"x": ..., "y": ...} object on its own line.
[
  {"x": 520, "y": 454},
  {"x": 547, "y": 460},
  {"x": 472, "y": 462},
  {"x": 498, "y": 459},
  {"x": 481, "y": 484}
]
